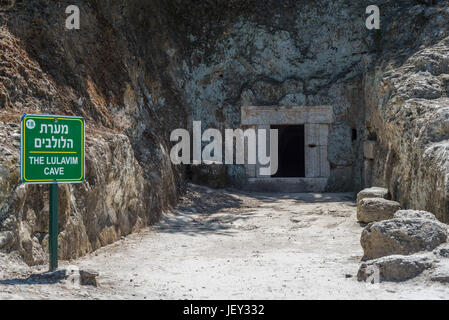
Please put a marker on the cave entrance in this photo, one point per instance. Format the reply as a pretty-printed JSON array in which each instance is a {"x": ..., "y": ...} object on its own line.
[
  {"x": 291, "y": 151},
  {"x": 303, "y": 163}
]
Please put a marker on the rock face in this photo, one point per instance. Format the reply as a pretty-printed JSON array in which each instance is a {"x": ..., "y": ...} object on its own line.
[
  {"x": 374, "y": 192},
  {"x": 401, "y": 236},
  {"x": 406, "y": 98},
  {"x": 412, "y": 214},
  {"x": 136, "y": 70},
  {"x": 394, "y": 268},
  {"x": 376, "y": 209},
  {"x": 258, "y": 59},
  {"x": 128, "y": 92}
]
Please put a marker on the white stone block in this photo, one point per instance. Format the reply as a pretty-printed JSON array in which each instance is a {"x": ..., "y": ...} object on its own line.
[
  {"x": 312, "y": 157},
  {"x": 367, "y": 173},
  {"x": 324, "y": 133},
  {"x": 267, "y": 132},
  {"x": 250, "y": 168},
  {"x": 325, "y": 168},
  {"x": 275, "y": 115},
  {"x": 287, "y": 184},
  {"x": 316, "y": 134},
  {"x": 312, "y": 135},
  {"x": 369, "y": 149}
]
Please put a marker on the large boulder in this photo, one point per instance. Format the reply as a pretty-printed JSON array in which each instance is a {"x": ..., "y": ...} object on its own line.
[
  {"x": 401, "y": 236},
  {"x": 411, "y": 214},
  {"x": 374, "y": 192},
  {"x": 394, "y": 268},
  {"x": 376, "y": 209}
]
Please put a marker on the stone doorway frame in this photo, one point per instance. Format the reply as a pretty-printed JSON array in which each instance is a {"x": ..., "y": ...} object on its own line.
[{"x": 316, "y": 121}]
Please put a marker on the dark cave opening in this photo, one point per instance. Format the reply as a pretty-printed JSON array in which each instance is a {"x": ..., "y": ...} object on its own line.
[{"x": 291, "y": 151}]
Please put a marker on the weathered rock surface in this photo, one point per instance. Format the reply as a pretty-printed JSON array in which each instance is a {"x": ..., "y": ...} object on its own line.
[
  {"x": 139, "y": 69},
  {"x": 395, "y": 267},
  {"x": 6, "y": 240},
  {"x": 440, "y": 272},
  {"x": 376, "y": 209},
  {"x": 442, "y": 251},
  {"x": 401, "y": 236},
  {"x": 407, "y": 102},
  {"x": 374, "y": 192},
  {"x": 130, "y": 108},
  {"x": 412, "y": 214},
  {"x": 255, "y": 59},
  {"x": 88, "y": 277}
]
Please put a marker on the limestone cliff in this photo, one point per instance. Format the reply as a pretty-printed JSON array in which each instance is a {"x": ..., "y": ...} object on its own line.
[
  {"x": 407, "y": 109},
  {"x": 138, "y": 69},
  {"x": 123, "y": 81}
]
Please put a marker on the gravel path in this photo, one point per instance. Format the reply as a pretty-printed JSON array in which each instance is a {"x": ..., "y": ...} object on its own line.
[{"x": 230, "y": 245}]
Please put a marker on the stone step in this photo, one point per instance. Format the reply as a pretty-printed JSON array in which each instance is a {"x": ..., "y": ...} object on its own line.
[{"x": 292, "y": 185}]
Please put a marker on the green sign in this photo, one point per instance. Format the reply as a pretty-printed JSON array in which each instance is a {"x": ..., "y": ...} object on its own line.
[{"x": 52, "y": 149}]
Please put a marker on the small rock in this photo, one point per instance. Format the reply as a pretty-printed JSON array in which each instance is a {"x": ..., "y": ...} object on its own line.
[
  {"x": 376, "y": 209},
  {"x": 395, "y": 268},
  {"x": 442, "y": 251},
  {"x": 88, "y": 277},
  {"x": 369, "y": 150},
  {"x": 374, "y": 192},
  {"x": 401, "y": 236},
  {"x": 440, "y": 273}
]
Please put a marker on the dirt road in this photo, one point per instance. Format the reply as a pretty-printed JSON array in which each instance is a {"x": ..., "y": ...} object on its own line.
[{"x": 230, "y": 245}]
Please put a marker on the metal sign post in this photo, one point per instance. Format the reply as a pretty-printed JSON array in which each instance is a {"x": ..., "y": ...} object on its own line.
[
  {"x": 53, "y": 227},
  {"x": 52, "y": 152}
]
